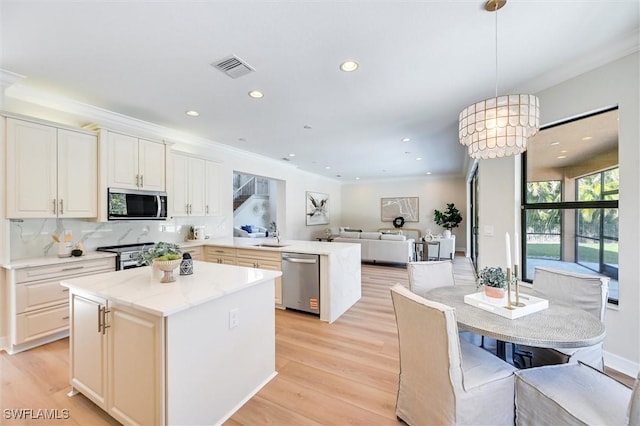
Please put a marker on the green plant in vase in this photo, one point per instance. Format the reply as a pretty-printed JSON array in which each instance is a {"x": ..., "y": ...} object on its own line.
[
  {"x": 494, "y": 281},
  {"x": 161, "y": 251},
  {"x": 448, "y": 219}
]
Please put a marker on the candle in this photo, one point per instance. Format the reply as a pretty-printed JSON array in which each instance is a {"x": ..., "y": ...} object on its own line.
[
  {"x": 507, "y": 242},
  {"x": 516, "y": 250}
]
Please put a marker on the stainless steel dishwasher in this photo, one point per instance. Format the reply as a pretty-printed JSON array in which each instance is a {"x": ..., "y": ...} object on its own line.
[{"x": 301, "y": 282}]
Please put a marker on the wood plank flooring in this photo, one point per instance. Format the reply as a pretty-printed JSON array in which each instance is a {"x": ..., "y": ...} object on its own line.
[{"x": 340, "y": 373}]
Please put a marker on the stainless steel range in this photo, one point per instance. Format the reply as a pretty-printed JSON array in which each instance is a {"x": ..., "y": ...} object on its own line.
[{"x": 127, "y": 255}]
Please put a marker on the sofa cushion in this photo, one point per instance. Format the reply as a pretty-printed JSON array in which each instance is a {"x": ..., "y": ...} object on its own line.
[
  {"x": 246, "y": 228},
  {"x": 393, "y": 237},
  {"x": 370, "y": 235},
  {"x": 352, "y": 235}
]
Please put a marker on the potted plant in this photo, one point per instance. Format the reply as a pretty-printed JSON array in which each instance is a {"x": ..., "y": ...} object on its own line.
[
  {"x": 494, "y": 281},
  {"x": 448, "y": 219},
  {"x": 161, "y": 256}
]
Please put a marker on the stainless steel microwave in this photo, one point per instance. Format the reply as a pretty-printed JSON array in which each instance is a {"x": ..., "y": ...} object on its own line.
[{"x": 131, "y": 204}]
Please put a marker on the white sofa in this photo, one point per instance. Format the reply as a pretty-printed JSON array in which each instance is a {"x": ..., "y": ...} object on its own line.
[
  {"x": 380, "y": 247},
  {"x": 256, "y": 231}
]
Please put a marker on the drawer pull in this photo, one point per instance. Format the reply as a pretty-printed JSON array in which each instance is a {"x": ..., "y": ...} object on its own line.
[
  {"x": 73, "y": 269},
  {"x": 65, "y": 290},
  {"x": 65, "y": 317}
]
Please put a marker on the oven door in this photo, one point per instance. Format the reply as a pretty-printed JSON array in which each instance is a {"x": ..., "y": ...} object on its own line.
[{"x": 127, "y": 204}]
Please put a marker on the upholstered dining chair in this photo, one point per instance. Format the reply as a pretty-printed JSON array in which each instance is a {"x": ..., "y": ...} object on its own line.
[
  {"x": 574, "y": 394},
  {"x": 443, "y": 380},
  {"x": 427, "y": 275},
  {"x": 587, "y": 292}
]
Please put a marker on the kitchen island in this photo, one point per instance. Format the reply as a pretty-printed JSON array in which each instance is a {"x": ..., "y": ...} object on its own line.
[
  {"x": 340, "y": 269},
  {"x": 187, "y": 352}
]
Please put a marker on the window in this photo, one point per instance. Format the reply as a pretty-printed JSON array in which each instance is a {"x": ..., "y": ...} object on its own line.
[{"x": 570, "y": 192}]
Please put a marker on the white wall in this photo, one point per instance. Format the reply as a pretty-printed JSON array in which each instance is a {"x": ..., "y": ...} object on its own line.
[
  {"x": 616, "y": 83},
  {"x": 361, "y": 203}
]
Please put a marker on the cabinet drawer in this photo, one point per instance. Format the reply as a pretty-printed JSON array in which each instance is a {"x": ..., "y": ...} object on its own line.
[
  {"x": 259, "y": 263},
  {"x": 197, "y": 253},
  {"x": 32, "y": 325},
  {"x": 39, "y": 295},
  {"x": 217, "y": 251},
  {"x": 259, "y": 254},
  {"x": 66, "y": 269}
]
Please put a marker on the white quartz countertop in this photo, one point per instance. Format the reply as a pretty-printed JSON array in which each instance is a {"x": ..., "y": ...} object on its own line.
[
  {"x": 294, "y": 246},
  {"x": 136, "y": 287},
  {"x": 50, "y": 260}
]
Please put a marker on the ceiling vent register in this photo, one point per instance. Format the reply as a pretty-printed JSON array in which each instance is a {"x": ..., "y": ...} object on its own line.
[{"x": 233, "y": 66}]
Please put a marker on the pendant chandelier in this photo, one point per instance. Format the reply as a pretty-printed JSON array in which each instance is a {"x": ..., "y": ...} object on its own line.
[{"x": 499, "y": 126}]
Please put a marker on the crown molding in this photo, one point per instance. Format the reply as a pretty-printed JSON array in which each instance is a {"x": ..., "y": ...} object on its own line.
[{"x": 8, "y": 78}]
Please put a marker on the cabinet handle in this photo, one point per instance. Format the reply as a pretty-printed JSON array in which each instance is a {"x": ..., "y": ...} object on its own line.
[
  {"x": 100, "y": 308},
  {"x": 72, "y": 269},
  {"x": 55, "y": 205},
  {"x": 61, "y": 206},
  {"x": 65, "y": 290},
  {"x": 141, "y": 181},
  {"x": 190, "y": 208},
  {"x": 206, "y": 209},
  {"x": 138, "y": 181},
  {"x": 65, "y": 317},
  {"x": 105, "y": 311}
]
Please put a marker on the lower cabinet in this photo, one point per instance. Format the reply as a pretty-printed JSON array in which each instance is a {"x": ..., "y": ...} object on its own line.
[
  {"x": 220, "y": 254},
  {"x": 263, "y": 259},
  {"x": 39, "y": 305},
  {"x": 116, "y": 359},
  {"x": 197, "y": 253}
]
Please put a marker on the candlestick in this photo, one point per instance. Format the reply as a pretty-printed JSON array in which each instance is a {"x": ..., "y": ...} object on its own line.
[
  {"x": 515, "y": 277},
  {"x": 509, "y": 288},
  {"x": 516, "y": 249},
  {"x": 507, "y": 243}
]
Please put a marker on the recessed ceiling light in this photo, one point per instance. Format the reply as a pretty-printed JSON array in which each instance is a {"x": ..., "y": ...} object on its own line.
[
  {"x": 405, "y": 139},
  {"x": 560, "y": 157},
  {"x": 357, "y": 178},
  {"x": 587, "y": 138},
  {"x": 256, "y": 94},
  {"x": 419, "y": 159},
  {"x": 192, "y": 113},
  {"x": 292, "y": 155},
  {"x": 428, "y": 173},
  {"x": 327, "y": 167},
  {"x": 564, "y": 151},
  {"x": 349, "y": 66},
  {"x": 554, "y": 143}
]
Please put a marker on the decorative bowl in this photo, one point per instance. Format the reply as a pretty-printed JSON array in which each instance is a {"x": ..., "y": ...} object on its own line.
[{"x": 167, "y": 266}]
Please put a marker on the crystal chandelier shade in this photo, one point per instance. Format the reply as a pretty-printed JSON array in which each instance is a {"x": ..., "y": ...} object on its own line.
[{"x": 500, "y": 126}]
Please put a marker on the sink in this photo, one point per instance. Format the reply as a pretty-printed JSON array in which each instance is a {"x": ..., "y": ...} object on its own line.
[{"x": 270, "y": 245}]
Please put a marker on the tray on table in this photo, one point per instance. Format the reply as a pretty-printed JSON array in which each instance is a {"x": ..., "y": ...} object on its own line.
[{"x": 530, "y": 304}]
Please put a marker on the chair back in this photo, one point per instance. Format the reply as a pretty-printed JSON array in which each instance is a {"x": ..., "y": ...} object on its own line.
[
  {"x": 430, "y": 357},
  {"x": 634, "y": 404},
  {"x": 425, "y": 276},
  {"x": 587, "y": 292}
]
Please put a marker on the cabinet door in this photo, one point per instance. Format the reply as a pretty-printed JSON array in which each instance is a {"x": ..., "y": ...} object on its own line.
[
  {"x": 77, "y": 174},
  {"x": 196, "y": 187},
  {"x": 122, "y": 161},
  {"x": 135, "y": 366},
  {"x": 178, "y": 194},
  {"x": 31, "y": 170},
  {"x": 151, "y": 165},
  {"x": 212, "y": 184},
  {"x": 88, "y": 349}
]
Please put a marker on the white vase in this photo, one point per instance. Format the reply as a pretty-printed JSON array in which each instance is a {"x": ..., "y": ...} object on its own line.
[{"x": 446, "y": 233}]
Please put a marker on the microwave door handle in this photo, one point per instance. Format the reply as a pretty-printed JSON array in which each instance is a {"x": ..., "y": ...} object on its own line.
[{"x": 159, "y": 204}]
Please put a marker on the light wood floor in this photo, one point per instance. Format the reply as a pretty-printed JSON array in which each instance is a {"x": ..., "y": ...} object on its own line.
[{"x": 340, "y": 373}]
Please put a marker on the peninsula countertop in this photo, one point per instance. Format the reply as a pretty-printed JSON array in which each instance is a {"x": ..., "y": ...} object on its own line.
[
  {"x": 136, "y": 287},
  {"x": 269, "y": 244}
]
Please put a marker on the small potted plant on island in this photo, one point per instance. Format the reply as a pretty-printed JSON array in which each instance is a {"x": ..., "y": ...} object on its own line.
[
  {"x": 494, "y": 281},
  {"x": 448, "y": 219},
  {"x": 162, "y": 256}
]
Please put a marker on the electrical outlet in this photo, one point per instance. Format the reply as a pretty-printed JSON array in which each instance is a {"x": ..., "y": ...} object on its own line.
[{"x": 233, "y": 318}]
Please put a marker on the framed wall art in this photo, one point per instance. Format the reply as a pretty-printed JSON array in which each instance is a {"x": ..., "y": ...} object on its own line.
[
  {"x": 405, "y": 207},
  {"x": 317, "y": 208}
]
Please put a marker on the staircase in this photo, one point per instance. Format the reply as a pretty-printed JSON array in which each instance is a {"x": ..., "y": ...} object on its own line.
[{"x": 244, "y": 186}]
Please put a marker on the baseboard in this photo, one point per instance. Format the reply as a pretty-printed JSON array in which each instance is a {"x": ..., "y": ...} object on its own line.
[
  {"x": 620, "y": 364},
  {"x": 4, "y": 344}
]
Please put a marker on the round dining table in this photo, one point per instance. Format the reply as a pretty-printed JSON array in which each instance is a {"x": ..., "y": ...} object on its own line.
[{"x": 558, "y": 326}]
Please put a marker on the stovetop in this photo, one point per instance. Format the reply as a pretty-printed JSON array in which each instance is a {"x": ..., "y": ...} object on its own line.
[{"x": 125, "y": 248}]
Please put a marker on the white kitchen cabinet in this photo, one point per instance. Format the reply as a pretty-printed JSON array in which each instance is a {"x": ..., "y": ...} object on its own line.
[
  {"x": 51, "y": 172},
  {"x": 134, "y": 163},
  {"x": 116, "y": 359},
  {"x": 39, "y": 305},
  {"x": 194, "y": 186},
  {"x": 187, "y": 186}
]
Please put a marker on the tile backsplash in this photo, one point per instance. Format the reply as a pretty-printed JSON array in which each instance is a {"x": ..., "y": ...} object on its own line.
[{"x": 33, "y": 237}]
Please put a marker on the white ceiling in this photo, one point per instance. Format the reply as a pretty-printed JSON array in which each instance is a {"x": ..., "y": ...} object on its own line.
[{"x": 421, "y": 62}]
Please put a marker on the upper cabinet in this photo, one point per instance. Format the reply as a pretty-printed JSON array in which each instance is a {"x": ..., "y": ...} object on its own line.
[
  {"x": 134, "y": 163},
  {"x": 51, "y": 171},
  {"x": 194, "y": 186}
]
